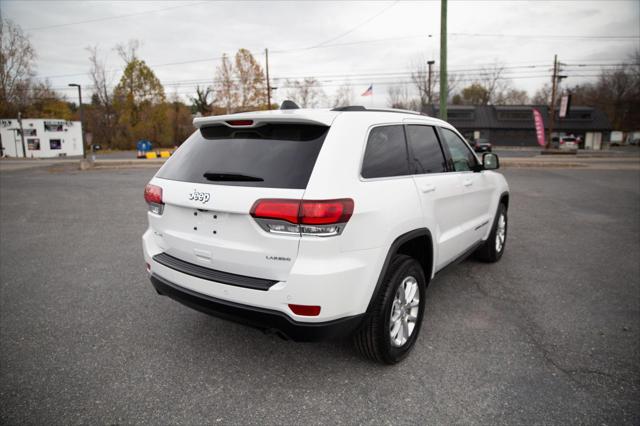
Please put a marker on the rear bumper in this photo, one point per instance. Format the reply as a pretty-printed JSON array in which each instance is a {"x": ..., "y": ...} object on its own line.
[{"x": 264, "y": 319}]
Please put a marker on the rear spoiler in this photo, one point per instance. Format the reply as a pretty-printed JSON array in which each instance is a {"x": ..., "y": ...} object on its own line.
[{"x": 255, "y": 119}]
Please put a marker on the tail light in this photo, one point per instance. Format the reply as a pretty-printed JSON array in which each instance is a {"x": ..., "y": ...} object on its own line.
[
  {"x": 323, "y": 218},
  {"x": 153, "y": 197}
]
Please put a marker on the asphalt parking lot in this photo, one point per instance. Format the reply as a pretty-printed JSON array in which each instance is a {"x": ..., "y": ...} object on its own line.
[{"x": 550, "y": 334}]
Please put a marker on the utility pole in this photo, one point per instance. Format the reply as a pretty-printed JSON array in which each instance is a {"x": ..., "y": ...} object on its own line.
[
  {"x": 555, "y": 83},
  {"x": 24, "y": 149},
  {"x": 429, "y": 94},
  {"x": 84, "y": 151},
  {"x": 552, "y": 105},
  {"x": 266, "y": 55},
  {"x": 443, "y": 60}
]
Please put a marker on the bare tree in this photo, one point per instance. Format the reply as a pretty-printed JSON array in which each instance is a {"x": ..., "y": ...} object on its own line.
[
  {"x": 429, "y": 89},
  {"x": 251, "y": 81},
  {"x": 201, "y": 104},
  {"x": 99, "y": 76},
  {"x": 344, "y": 96},
  {"x": 512, "y": 97},
  {"x": 17, "y": 58},
  {"x": 616, "y": 92},
  {"x": 226, "y": 87},
  {"x": 398, "y": 96},
  {"x": 306, "y": 92},
  {"x": 493, "y": 80},
  {"x": 103, "y": 118},
  {"x": 129, "y": 51},
  {"x": 420, "y": 78},
  {"x": 542, "y": 95}
]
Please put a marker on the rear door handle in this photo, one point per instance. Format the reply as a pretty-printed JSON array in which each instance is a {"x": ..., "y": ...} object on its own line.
[
  {"x": 428, "y": 188},
  {"x": 467, "y": 182}
]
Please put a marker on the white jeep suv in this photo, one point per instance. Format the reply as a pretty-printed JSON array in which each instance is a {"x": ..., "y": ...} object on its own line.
[{"x": 321, "y": 223}]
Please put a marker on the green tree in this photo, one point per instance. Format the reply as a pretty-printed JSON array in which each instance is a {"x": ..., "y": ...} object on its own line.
[
  {"x": 476, "y": 94},
  {"x": 139, "y": 102},
  {"x": 44, "y": 102}
]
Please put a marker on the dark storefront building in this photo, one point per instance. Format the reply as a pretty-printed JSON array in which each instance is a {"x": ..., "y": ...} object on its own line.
[{"x": 514, "y": 126}]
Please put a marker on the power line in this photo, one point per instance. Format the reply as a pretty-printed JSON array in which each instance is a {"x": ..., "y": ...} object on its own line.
[
  {"x": 366, "y": 21},
  {"x": 550, "y": 36},
  {"x": 108, "y": 18}
]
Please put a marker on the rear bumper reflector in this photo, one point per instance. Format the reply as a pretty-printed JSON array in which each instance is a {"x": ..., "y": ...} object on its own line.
[
  {"x": 212, "y": 274},
  {"x": 264, "y": 319}
]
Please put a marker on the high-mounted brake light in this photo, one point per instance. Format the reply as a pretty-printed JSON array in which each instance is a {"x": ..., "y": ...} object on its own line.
[
  {"x": 240, "y": 122},
  {"x": 153, "y": 197},
  {"x": 307, "y": 217}
]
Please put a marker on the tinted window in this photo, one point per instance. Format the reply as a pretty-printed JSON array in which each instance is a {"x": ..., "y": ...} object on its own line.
[
  {"x": 461, "y": 156},
  {"x": 272, "y": 155},
  {"x": 426, "y": 155},
  {"x": 386, "y": 153}
]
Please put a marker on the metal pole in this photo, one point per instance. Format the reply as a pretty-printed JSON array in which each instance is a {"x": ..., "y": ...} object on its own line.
[
  {"x": 429, "y": 95},
  {"x": 84, "y": 152},
  {"x": 84, "y": 149},
  {"x": 552, "y": 105},
  {"x": 443, "y": 60},
  {"x": 24, "y": 149},
  {"x": 266, "y": 54}
]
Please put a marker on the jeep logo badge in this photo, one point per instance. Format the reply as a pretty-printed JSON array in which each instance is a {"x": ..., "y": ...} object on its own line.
[{"x": 204, "y": 197}]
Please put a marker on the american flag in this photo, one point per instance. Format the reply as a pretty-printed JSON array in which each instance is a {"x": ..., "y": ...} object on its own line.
[{"x": 368, "y": 92}]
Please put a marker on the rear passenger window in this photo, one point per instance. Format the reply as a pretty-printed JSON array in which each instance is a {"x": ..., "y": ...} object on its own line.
[
  {"x": 462, "y": 157},
  {"x": 426, "y": 154},
  {"x": 386, "y": 153}
]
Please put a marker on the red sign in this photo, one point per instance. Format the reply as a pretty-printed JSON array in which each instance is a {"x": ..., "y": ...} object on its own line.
[{"x": 537, "y": 117}]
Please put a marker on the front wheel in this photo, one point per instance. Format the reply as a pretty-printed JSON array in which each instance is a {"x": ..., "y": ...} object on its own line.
[
  {"x": 391, "y": 328},
  {"x": 493, "y": 248}
]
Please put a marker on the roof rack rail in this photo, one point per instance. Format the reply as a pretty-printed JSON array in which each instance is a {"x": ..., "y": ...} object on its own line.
[{"x": 361, "y": 108}]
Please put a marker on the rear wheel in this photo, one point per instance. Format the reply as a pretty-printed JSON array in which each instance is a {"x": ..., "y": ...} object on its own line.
[
  {"x": 393, "y": 325},
  {"x": 492, "y": 249}
]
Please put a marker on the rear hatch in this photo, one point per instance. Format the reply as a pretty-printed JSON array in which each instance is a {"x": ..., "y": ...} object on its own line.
[{"x": 211, "y": 183}]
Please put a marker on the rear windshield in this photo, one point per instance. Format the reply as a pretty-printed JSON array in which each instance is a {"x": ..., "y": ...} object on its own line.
[{"x": 272, "y": 155}]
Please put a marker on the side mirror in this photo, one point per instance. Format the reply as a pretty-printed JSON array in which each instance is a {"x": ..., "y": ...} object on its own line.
[{"x": 490, "y": 161}]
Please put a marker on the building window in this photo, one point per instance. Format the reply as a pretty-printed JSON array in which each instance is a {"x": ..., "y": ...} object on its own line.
[
  {"x": 29, "y": 132},
  {"x": 515, "y": 115},
  {"x": 460, "y": 115},
  {"x": 55, "y": 143},
  {"x": 33, "y": 144},
  {"x": 578, "y": 115},
  {"x": 53, "y": 126}
]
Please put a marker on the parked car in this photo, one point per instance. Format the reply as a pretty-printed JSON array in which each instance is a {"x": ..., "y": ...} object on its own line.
[
  {"x": 315, "y": 224},
  {"x": 568, "y": 143},
  {"x": 481, "y": 145}
]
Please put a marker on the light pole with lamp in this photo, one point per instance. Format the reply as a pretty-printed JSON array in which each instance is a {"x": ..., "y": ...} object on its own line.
[{"x": 84, "y": 152}]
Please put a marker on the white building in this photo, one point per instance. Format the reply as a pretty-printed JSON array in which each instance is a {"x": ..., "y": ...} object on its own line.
[{"x": 43, "y": 138}]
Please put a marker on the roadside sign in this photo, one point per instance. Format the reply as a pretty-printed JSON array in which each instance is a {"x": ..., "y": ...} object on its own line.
[
  {"x": 565, "y": 104},
  {"x": 537, "y": 118}
]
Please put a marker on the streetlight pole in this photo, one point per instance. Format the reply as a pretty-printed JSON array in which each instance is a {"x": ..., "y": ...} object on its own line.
[
  {"x": 429, "y": 95},
  {"x": 266, "y": 55},
  {"x": 444, "y": 91},
  {"x": 84, "y": 152}
]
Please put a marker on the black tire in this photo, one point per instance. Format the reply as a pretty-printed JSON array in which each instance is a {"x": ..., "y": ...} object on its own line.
[
  {"x": 373, "y": 340},
  {"x": 488, "y": 252}
]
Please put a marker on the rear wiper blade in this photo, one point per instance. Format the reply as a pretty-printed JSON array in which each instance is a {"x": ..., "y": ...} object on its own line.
[{"x": 231, "y": 177}]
